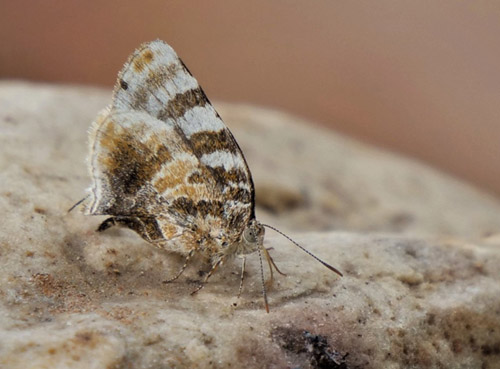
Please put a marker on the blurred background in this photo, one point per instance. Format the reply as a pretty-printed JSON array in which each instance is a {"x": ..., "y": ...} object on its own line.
[{"x": 417, "y": 77}]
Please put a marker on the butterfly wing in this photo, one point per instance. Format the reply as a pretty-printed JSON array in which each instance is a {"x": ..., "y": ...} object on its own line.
[{"x": 161, "y": 153}]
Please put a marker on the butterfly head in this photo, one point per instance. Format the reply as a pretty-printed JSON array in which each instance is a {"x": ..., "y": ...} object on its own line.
[{"x": 252, "y": 237}]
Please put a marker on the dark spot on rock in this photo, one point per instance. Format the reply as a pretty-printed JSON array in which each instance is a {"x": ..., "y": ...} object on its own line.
[
  {"x": 312, "y": 347},
  {"x": 493, "y": 349},
  {"x": 84, "y": 336},
  {"x": 40, "y": 211},
  {"x": 431, "y": 319}
]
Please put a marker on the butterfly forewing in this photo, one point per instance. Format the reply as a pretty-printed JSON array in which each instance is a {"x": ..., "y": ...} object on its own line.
[{"x": 163, "y": 154}]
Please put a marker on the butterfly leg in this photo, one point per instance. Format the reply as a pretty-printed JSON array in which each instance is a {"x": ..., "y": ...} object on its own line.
[
  {"x": 108, "y": 223},
  {"x": 271, "y": 264},
  {"x": 147, "y": 228},
  {"x": 214, "y": 268},
  {"x": 78, "y": 203},
  {"x": 190, "y": 255},
  {"x": 242, "y": 275},
  {"x": 134, "y": 223}
]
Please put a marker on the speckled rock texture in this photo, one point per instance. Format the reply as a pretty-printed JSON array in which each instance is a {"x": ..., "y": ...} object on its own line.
[{"x": 419, "y": 252}]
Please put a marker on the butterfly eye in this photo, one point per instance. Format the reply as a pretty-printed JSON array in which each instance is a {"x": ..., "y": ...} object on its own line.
[{"x": 249, "y": 236}]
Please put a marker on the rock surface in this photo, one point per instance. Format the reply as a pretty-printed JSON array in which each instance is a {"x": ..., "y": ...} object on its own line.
[{"x": 421, "y": 290}]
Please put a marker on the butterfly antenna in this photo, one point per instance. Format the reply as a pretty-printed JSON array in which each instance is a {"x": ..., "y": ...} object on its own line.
[
  {"x": 305, "y": 250},
  {"x": 264, "y": 294},
  {"x": 78, "y": 203}
]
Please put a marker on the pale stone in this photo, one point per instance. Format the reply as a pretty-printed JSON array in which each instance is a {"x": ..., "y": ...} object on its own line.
[{"x": 427, "y": 296}]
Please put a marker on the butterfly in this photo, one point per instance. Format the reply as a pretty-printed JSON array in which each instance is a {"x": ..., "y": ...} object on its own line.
[{"x": 164, "y": 165}]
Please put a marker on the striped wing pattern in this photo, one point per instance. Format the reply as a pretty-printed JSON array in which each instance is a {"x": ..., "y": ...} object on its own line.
[{"x": 162, "y": 160}]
